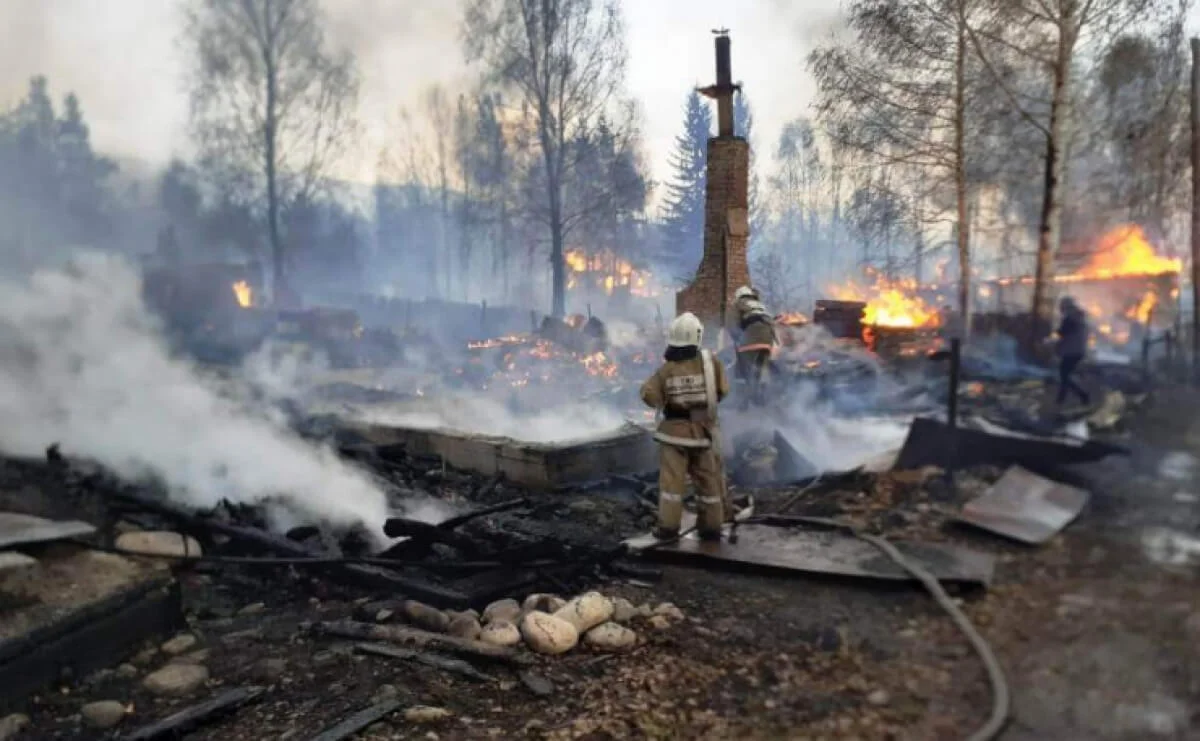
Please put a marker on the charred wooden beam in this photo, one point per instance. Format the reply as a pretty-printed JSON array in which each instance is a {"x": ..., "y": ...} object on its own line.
[
  {"x": 424, "y": 533},
  {"x": 183, "y": 722},
  {"x": 358, "y": 721},
  {"x": 453, "y": 522},
  {"x": 405, "y": 635},
  {"x": 367, "y": 576},
  {"x": 445, "y": 663}
]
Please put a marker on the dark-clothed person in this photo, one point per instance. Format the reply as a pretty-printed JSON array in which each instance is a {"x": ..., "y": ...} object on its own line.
[{"x": 1072, "y": 347}]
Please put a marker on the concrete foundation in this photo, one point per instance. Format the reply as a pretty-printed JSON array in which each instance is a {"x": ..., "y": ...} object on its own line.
[
  {"x": 77, "y": 611},
  {"x": 629, "y": 450}
]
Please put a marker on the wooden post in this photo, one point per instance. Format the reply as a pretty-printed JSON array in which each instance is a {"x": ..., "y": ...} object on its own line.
[
  {"x": 1195, "y": 210},
  {"x": 952, "y": 398}
]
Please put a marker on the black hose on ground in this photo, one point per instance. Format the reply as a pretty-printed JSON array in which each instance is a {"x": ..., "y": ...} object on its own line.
[{"x": 1001, "y": 699}]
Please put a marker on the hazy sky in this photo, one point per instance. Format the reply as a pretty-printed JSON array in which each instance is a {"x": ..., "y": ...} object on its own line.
[{"x": 121, "y": 57}]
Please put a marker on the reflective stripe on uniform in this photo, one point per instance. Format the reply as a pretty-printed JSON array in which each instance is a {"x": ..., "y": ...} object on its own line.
[
  {"x": 710, "y": 500},
  {"x": 710, "y": 383},
  {"x": 670, "y": 497},
  {"x": 758, "y": 346},
  {"x": 682, "y": 442}
]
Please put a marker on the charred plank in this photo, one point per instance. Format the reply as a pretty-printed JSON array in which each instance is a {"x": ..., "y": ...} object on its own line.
[
  {"x": 178, "y": 724},
  {"x": 405, "y": 635},
  {"x": 445, "y": 663},
  {"x": 423, "y": 532},
  {"x": 511, "y": 504},
  {"x": 367, "y": 576},
  {"x": 358, "y": 721}
]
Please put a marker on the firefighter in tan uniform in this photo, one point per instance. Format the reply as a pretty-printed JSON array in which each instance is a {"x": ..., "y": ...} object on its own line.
[
  {"x": 756, "y": 341},
  {"x": 686, "y": 390}
]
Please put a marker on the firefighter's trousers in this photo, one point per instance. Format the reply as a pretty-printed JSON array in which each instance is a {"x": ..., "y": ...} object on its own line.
[
  {"x": 675, "y": 464},
  {"x": 752, "y": 369}
]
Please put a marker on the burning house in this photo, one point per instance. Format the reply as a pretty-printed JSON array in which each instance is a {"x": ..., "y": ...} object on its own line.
[
  {"x": 1125, "y": 284},
  {"x": 894, "y": 318},
  {"x": 605, "y": 273},
  {"x": 213, "y": 309}
]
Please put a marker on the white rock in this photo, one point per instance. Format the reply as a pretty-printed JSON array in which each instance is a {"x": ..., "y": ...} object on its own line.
[
  {"x": 659, "y": 622},
  {"x": 879, "y": 698},
  {"x": 181, "y": 643},
  {"x": 426, "y": 714},
  {"x": 159, "y": 543},
  {"x": 548, "y": 634},
  {"x": 385, "y": 693},
  {"x": 586, "y": 611},
  {"x": 198, "y": 656},
  {"x": 504, "y": 609},
  {"x": 669, "y": 611},
  {"x": 103, "y": 714},
  {"x": 623, "y": 610},
  {"x": 500, "y": 633},
  {"x": 610, "y": 637},
  {"x": 175, "y": 680},
  {"x": 11, "y": 725},
  {"x": 253, "y": 608},
  {"x": 543, "y": 603},
  {"x": 425, "y": 617},
  {"x": 464, "y": 626}
]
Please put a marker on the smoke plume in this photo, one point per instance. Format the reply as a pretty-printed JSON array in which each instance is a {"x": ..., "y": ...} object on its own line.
[
  {"x": 82, "y": 363},
  {"x": 477, "y": 414}
]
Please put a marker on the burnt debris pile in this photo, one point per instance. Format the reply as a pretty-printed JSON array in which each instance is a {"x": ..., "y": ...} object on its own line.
[{"x": 456, "y": 540}]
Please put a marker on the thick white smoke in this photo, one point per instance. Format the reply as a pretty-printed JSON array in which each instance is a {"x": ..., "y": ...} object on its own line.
[
  {"x": 82, "y": 363},
  {"x": 480, "y": 415},
  {"x": 822, "y": 432}
]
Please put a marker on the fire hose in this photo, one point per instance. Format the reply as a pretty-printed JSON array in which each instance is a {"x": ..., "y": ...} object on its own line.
[{"x": 1001, "y": 699}]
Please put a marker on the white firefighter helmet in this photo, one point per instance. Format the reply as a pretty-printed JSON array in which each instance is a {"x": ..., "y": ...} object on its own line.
[
  {"x": 685, "y": 330},
  {"x": 743, "y": 292}
]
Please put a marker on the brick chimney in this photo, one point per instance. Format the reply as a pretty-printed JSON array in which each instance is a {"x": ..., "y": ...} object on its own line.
[{"x": 726, "y": 206}]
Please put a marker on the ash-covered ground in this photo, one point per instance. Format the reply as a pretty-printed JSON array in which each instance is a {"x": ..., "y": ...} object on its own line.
[{"x": 1096, "y": 630}]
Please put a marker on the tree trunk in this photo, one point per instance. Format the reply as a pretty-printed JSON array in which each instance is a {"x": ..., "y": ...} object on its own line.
[
  {"x": 504, "y": 249},
  {"x": 270, "y": 134},
  {"x": 1051, "y": 218},
  {"x": 558, "y": 273},
  {"x": 1195, "y": 110},
  {"x": 963, "y": 232}
]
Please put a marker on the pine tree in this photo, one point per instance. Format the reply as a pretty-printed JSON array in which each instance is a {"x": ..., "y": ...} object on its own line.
[
  {"x": 743, "y": 126},
  {"x": 683, "y": 218}
]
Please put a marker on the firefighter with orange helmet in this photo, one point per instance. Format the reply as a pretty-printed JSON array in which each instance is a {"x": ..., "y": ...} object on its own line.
[{"x": 686, "y": 390}]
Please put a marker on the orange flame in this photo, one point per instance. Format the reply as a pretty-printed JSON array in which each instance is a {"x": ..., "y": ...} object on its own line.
[
  {"x": 606, "y": 271},
  {"x": 792, "y": 319},
  {"x": 1125, "y": 251},
  {"x": 244, "y": 294},
  {"x": 890, "y": 304}
]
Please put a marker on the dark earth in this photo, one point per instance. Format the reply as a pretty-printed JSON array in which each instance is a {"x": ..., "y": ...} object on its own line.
[{"x": 1097, "y": 631}]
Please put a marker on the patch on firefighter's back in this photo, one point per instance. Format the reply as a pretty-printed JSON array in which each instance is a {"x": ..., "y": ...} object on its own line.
[
  {"x": 686, "y": 390},
  {"x": 685, "y": 384}
]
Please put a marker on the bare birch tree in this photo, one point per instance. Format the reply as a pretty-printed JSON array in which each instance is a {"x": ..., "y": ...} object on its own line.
[
  {"x": 901, "y": 93},
  {"x": 564, "y": 60},
  {"x": 272, "y": 104}
]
